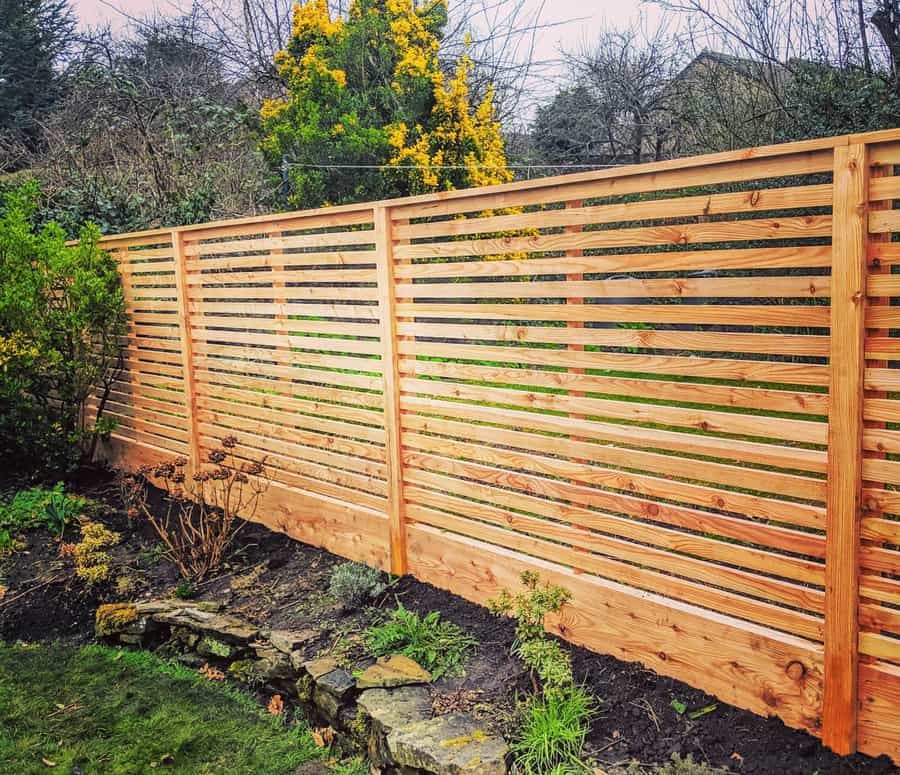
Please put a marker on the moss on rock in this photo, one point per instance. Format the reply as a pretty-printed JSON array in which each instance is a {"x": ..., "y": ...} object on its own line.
[{"x": 113, "y": 618}]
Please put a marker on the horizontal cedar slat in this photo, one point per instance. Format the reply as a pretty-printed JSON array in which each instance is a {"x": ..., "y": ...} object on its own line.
[
  {"x": 709, "y": 205},
  {"x": 799, "y": 315},
  {"x": 689, "y": 443},
  {"x": 676, "y": 287},
  {"x": 805, "y": 257},
  {"x": 683, "y": 234}
]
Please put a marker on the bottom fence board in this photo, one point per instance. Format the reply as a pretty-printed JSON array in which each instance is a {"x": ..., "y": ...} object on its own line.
[{"x": 878, "y": 729}]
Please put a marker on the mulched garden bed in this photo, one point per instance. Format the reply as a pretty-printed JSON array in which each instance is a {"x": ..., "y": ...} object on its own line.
[{"x": 276, "y": 582}]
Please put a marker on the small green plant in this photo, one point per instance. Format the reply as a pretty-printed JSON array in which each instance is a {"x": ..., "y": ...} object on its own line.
[
  {"x": 554, "y": 721},
  {"x": 355, "y": 584},
  {"x": 551, "y": 731},
  {"x": 440, "y": 647},
  {"x": 546, "y": 660},
  {"x": 185, "y": 590},
  {"x": 39, "y": 506}
]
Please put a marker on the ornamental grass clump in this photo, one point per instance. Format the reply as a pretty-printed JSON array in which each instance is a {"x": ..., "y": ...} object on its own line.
[{"x": 202, "y": 512}]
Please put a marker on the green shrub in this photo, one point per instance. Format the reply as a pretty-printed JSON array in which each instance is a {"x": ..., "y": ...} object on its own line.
[
  {"x": 62, "y": 317},
  {"x": 354, "y": 584},
  {"x": 544, "y": 657},
  {"x": 36, "y": 507},
  {"x": 550, "y": 733},
  {"x": 439, "y": 647}
]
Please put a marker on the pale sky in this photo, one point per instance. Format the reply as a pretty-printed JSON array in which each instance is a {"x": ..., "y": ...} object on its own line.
[{"x": 577, "y": 19}]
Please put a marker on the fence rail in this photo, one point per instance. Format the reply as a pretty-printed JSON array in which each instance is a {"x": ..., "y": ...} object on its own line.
[{"x": 671, "y": 388}]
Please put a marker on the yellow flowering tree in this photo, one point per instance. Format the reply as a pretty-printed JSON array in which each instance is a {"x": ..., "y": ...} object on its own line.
[{"x": 368, "y": 112}]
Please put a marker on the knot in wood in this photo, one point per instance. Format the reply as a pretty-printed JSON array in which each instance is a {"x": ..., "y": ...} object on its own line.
[{"x": 795, "y": 670}]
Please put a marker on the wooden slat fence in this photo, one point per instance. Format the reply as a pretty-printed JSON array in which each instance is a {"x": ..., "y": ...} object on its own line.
[{"x": 670, "y": 388}]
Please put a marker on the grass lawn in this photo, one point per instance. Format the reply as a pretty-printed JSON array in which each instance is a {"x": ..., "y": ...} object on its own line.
[{"x": 101, "y": 710}]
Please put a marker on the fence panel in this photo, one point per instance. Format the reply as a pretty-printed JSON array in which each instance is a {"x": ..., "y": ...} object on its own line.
[
  {"x": 879, "y": 554},
  {"x": 625, "y": 380},
  {"x": 148, "y": 401}
]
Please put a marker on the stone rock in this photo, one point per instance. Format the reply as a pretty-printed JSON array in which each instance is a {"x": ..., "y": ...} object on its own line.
[
  {"x": 273, "y": 665},
  {"x": 111, "y": 619},
  {"x": 153, "y": 607},
  {"x": 330, "y": 690},
  {"x": 337, "y": 682},
  {"x": 288, "y": 641},
  {"x": 396, "y": 670},
  {"x": 326, "y": 703},
  {"x": 219, "y": 626},
  {"x": 456, "y": 744},
  {"x": 244, "y": 670},
  {"x": 304, "y": 688},
  {"x": 319, "y": 667},
  {"x": 390, "y": 709},
  {"x": 192, "y": 660},
  {"x": 186, "y": 636},
  {"x": 298, "y": 659},
  {"x": 211, "y": 647}
]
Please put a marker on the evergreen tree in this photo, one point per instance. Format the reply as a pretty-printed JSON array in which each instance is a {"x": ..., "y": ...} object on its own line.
[{"x": 34, "y": 36}]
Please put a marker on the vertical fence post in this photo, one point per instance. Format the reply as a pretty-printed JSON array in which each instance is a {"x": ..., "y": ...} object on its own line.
[
  {"x": 575, "y": 277},
  {"x": 384, "y": 257},
  {"x": 845, "y": 424},
  {"x": 187, "y": 349}
]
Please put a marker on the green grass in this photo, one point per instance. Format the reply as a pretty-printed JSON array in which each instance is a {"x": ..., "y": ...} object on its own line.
[{"x": 101, "y": 710}]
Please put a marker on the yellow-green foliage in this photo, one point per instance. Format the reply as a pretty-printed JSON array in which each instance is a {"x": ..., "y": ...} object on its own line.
[
  {"x": 113, "y": 617},
  {"x": 544, "y": 657},
  {"x": 367, "y": 88},
  {"x": 456, "y": 136},
  {"x": 92, "y": 561}
]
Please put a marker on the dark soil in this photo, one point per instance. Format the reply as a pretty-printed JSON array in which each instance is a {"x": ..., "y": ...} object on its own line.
[{"x": 279, "y": 583}]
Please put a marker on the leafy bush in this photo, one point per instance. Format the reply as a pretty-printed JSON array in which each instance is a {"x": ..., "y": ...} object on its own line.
[
  {"x": 551, "y": 731},
  {"x": 353, "y": 584},
  {"x": 545, "y": 658},
  {"x": 62, "y": 316},
  {"x": 202, "y": 515},
  {"x": 36, "y": 507},
  {"x": 440, "y": 647}
]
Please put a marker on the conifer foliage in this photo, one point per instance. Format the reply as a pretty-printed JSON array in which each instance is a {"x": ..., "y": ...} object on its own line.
[{"x": 368, "y": 112}]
